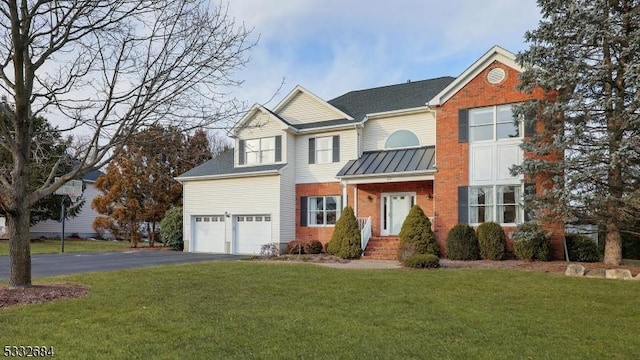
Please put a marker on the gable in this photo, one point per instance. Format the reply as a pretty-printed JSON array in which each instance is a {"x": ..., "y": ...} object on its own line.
[
  {"x": 259, "y": 124},
  {"x": 301, "y": 107}
]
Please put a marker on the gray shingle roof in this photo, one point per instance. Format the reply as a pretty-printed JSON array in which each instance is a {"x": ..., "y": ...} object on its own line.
[
  {"x": 388, "y": 98},
  {"x": 92, "y": 175},
  {"x": 223, "y": 165},
  {"x": 320, "y": 124},
  {"x": 391, "y": 162}
]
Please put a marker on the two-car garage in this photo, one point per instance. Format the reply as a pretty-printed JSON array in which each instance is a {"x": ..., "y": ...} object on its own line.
[{"x": 237, "y": 234}]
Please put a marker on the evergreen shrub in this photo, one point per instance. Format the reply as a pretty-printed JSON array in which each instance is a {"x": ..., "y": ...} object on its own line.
[
  {"x": 492, "y": 241},
  {"x": 171, "y": 229},
  {"x": 530, "y": 242},
  {"x": 416, "y": 230},
  {"x": 422, "y": 261},
  {"x": 462, "y": 243},
  {"x": 582, "y": 248},
  {"x": 345, "y": 241}
]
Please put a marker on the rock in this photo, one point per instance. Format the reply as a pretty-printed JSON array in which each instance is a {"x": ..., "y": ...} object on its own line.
[
  {"x": 574, "y": 270},
  {"x": 596, "y": 273},
  {"x": 637, "y": 277},
  {"x": 623, "y": 274}
]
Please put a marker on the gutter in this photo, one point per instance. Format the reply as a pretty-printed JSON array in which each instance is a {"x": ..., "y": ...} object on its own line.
[{"x": 228, "y": 176}]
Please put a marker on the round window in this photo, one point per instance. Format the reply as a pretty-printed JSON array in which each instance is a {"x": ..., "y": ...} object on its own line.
[{"x": 401, "y": 138}]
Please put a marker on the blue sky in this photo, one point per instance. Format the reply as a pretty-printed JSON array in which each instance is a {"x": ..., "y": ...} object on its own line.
[{"x": 334, "y": 46}]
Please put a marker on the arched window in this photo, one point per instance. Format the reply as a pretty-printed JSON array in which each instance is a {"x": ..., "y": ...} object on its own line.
[{"x": 401, "y": 138}]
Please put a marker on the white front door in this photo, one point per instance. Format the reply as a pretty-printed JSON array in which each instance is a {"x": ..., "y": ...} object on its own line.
[{"x": 395, "y": 208}]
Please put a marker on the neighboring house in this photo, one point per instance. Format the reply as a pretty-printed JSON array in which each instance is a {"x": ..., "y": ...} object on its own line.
[
  {"x": 82, "y": 224},
  {"x": 445, "y": 144}
]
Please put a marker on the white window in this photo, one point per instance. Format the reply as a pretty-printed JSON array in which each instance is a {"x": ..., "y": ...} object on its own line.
[
  {"x": 323, "y": 210},
  {"x": 324, "y": 150},
  {"x": 493, "y": 123},
  {"x": 499, "y": 203},
  {"x": 260, "y": 151}
]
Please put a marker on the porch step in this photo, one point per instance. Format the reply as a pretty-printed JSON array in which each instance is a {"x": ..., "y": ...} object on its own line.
[{"x": 382, "y": 248}]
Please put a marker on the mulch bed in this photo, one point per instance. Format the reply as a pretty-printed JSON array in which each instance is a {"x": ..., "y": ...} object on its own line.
[{"x": 40, "y": 294}]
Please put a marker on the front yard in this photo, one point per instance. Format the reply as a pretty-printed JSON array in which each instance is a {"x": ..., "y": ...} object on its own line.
[
  {"x": 70, "y": 245},
  {"x": 282, "y": 310}
]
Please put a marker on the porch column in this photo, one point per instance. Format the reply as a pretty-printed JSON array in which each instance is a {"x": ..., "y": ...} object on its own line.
[
  {"x": 355, "y": 199},
  {"x": 344, "y": 194}
]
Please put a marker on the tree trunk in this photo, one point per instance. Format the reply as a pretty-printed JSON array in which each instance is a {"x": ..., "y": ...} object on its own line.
[
  {"x": 613, "y": 244},
  {"x": 19, "y": 246},
  {"x": 152, "y": 235}
]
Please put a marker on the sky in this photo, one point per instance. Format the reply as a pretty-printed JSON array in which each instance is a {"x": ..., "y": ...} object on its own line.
[{"x": 330, "y": 47}]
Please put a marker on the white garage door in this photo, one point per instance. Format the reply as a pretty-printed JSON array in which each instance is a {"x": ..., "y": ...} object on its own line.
[
  {"x": 209, "y": 234},
  {"x": 251, "y": 232}
]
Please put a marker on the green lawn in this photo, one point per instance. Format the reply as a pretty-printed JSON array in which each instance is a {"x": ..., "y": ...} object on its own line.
[
  {"x": 72, "y": 246},
  {"x": 242, "y": 310}
]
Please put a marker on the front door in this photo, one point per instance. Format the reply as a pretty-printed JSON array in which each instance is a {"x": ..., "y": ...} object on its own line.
[{"x": 395, "y": 208}]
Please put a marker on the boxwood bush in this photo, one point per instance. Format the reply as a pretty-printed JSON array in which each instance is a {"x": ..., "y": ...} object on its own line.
[
  {"x": 492, "y": 241},
  {"x": 422, "y": 261},
  {"x": 462, "y": 243},
  {"x": 416, "y": 230},
  {"x": 582, "y": 248},
  {"x": 530, "y": 242}
]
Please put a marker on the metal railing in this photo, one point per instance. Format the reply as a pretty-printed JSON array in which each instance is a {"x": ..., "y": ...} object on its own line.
[{"x": 364, "y": 224}]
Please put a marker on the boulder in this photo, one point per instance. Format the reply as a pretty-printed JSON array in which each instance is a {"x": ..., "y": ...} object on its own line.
[
  {"x": 596, "y": 273},
  {"x": 574, "y": 270},
  {"x": 637, "y": 277},
  {"x": 623, "y": 274}
]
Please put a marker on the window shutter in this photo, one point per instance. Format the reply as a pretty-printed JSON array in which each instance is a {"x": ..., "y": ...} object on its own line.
[
  {"x": 463, "y": 204},
  {"x": 529, "y": 127},
  {"x": 463, "y": 125},
  {"x": 336, "y": 148},
  {"x": 312, "y": 151},
  {"x": 303, "y": 211},
  {"x": 529, "y": 189},
  {"x": 241, "y": 152},
  {"x": 278, "y": 148}
]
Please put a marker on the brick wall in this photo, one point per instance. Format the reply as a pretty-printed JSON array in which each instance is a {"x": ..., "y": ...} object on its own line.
[
  {"x": 321, "y": 233},
  {"x": 452, "y": 157}
]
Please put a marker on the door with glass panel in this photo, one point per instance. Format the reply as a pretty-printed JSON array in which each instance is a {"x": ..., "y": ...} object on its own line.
[{"x": 395, "y": 208}]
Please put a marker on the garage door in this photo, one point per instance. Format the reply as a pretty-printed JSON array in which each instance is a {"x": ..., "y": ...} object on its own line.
[
  {"x": 209, "y": 234},
  {"x": 252, "y": 231}
]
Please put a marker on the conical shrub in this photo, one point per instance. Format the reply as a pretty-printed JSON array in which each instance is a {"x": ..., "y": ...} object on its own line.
[
  {"x": 416, "y": 230},
  {"x": 345, "y": 241}
]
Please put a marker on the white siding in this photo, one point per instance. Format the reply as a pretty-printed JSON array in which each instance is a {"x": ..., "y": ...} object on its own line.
[
  {"x": 377, "y": 130},
  {"x": 287, "y": 205},
  {"x": 312, "y": 173},
  {"x": 237, "y": 196},
  {"x": 81, "y": 224},
  {"x": 261, "y": 125},
  {"x": 303, "y": 108}
]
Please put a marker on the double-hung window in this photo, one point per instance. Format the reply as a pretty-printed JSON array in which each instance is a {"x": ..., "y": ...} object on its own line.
[
  {"x": 324, "y": 150},
  {"x": 259, "y": 151},
  {"x": 493, "y": 123},
  {"x": 323, "y": 210},
  {"x": 499, "y": 203}
]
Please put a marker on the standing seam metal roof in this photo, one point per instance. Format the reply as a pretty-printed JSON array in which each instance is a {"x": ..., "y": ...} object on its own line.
[{"x": 391, "y": 162}]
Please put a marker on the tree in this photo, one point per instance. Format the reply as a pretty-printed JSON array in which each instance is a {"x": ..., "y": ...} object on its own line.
[
  {"x": 105, "y": 68},
  {"x": 416, "y": 230},
  {"x": 171, "y": 229},
  {"x": 586, "y": 57}
]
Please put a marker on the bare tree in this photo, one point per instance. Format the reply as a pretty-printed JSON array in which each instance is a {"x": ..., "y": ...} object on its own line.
[{"x": 106, "y": 68}]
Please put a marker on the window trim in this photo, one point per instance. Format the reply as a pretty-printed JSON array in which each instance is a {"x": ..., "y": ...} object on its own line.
[
  {"x": 519, "y": 204},
  {"x": 324, "y": 209}
]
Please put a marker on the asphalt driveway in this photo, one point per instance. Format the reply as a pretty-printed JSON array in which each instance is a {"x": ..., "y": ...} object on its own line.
[{"x": 62, "y": 264}]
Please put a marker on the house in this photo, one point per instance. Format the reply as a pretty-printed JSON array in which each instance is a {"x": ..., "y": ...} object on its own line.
[
  {"x": 445, "y": 144},
  {"x": 82, "y": 224}
]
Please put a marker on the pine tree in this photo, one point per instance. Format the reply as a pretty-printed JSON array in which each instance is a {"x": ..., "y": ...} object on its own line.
[{"x": 586, "y": 56}]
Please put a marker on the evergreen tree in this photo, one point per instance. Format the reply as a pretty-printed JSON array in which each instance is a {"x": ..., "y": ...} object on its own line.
[
  {"x": 416, "y": 230},
  {"x": 346, "y": 239},
  {"x": 585, "y": 55}
]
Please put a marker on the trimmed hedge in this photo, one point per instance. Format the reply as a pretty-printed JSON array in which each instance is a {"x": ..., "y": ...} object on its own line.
[
  {"x": 416, "y": 230},
  {"x": 422, "y": 261},
  {"x": 171, "y": 229},
  {"x": 298, "y": 247},
  {"x": 582, "y": 248},
  {"x": 492, "y": 241},
  {"x": 462, "y": 243},
  {"x": 345, "y": 241},
  {"x": 530, "y": 242}
]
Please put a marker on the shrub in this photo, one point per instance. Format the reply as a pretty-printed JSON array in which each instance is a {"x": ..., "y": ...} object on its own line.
[
  {"x": 582, "y": 248},
  {"x": 406, "y": 250},
  {"x": 171, "y": 229},
  {"x": 492, "y": 241},
  {"x": 269, "y": 250},
  {"x": 312, "y": 247},
  {"x": 416, "y": 230},
  {"x": 295, "y": 247},
  {"x": 422, "y": 261},
  {"x": 462, "y": 243},
  {"x": 345, "y": 241},
  {"x": 530, "y": 242}
]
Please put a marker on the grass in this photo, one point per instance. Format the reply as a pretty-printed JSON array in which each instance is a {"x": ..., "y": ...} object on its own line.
[
  {"x": 240, "y": 310},
  {"x": 71, "y": 246}
]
